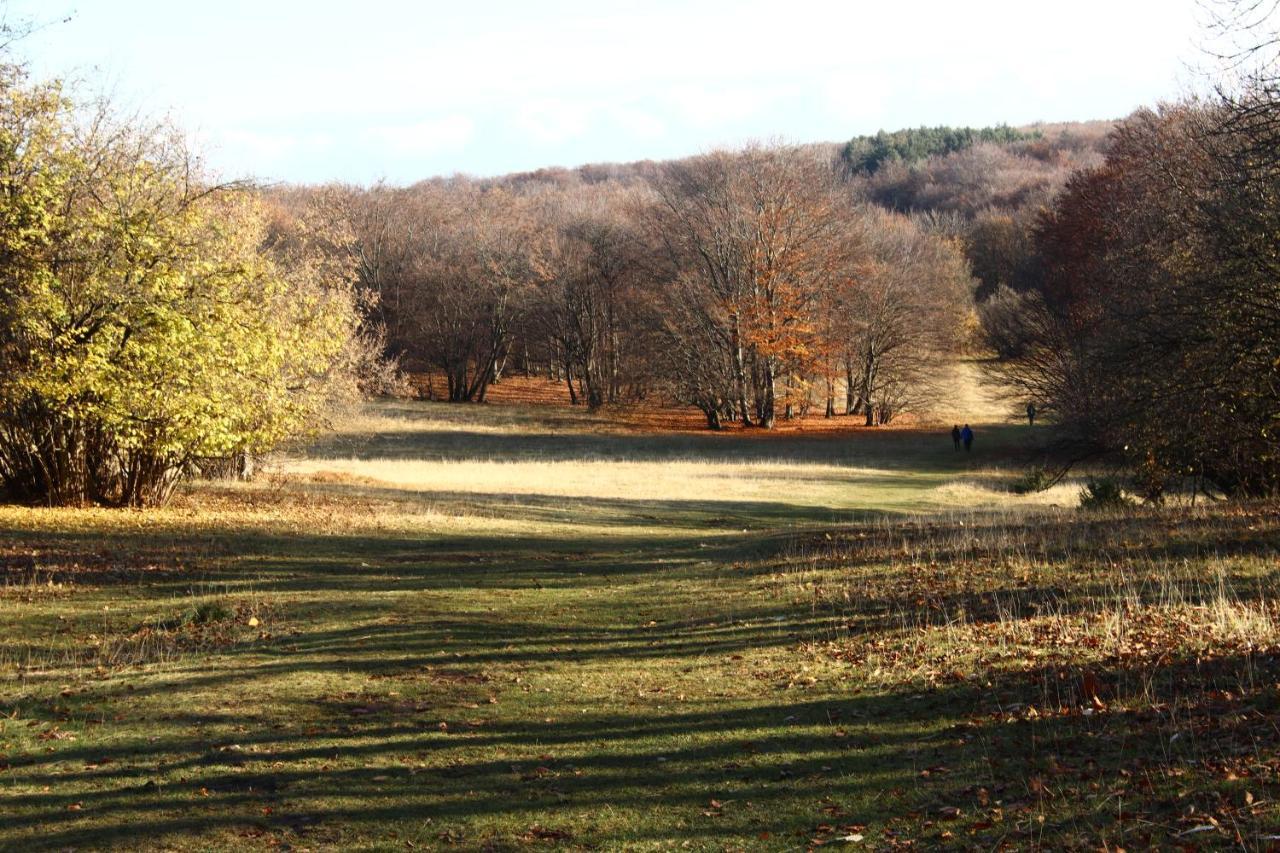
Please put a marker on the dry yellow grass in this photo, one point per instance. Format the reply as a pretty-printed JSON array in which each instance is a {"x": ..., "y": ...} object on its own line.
[
  {"x": 972, "y": 394},
  {"x": 743, "y": 486},
  {"x": 991, "y": 491},
  {"x": 466, "y": 460},
  {"x": 608, "y": 479}
]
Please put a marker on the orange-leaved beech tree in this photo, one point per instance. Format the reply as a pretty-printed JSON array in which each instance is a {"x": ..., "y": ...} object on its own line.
[{"x": 753, "y": 238}]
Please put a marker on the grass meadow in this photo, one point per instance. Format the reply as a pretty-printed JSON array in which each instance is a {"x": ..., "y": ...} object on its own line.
[{"x": 507, "y": 627}]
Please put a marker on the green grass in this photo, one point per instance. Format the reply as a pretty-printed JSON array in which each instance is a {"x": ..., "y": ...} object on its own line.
[{"x": 499, "y": 628}]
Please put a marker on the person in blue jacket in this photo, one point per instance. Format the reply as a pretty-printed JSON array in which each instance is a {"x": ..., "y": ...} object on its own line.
[{"x": 966, "y": 436}]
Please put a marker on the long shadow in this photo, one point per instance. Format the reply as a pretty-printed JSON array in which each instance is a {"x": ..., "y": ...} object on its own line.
[
  {"x": 474, "y": 642},
  {"x": 892, "y": 449},
  {"x": 787, "y": 764},
  {"x": 672, "y": 512},
  {"x": 290, "y": 560},
  {"x": 782, "y": 770},
  {"x": 1168, "y": 537},
  {"x": 320, "y": 572},
  {"x": 363, "y": 561}
]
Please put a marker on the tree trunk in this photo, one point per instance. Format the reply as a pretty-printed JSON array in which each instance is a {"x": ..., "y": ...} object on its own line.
[
  {"x": 591, "y": 385},
  {"x": 613, "y": 356},
  {"x": 850, "y": 394},
  {"x": 868, "y": 386},
  {"x": 768, "y": 402},
  {"x": 568, "y": 380},
  {"x": 740, "y": 375}
]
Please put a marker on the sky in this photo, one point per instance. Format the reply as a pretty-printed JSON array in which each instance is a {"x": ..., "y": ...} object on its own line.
[{"x": 318, "y": 90}]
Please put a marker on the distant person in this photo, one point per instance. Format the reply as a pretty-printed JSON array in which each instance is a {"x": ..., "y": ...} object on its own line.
[
  {"x": 1031, "y": 414},
  {"x": 955, "y": 436},
  {"x": 966, "y": 436}
]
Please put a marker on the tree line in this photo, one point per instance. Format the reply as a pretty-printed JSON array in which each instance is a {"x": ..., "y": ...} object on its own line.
[
  {"x": 1152, "y": 331},
  {"x": 747, "y": 283},
  {"x": 156, "y": 322},
  {"x": 866, "y": 154}
]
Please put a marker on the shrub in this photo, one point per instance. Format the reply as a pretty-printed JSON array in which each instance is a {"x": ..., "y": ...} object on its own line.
[
  {"x": 1035, "y": 479},
  {"x": 1007, "y": 319},
  {"x": 1103, "y": 493},
  {"x": 145, "y": 320},
  {"x": 206, "y": 612}
]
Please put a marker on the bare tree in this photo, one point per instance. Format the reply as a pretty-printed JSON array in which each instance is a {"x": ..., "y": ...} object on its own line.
[
  {"x": 902, "y": 319},
  {"x": 587, "y": 306},
  {"x": 753, "y": 237}
]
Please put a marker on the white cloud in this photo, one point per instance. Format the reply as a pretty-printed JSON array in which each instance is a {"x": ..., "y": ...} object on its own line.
[
  {"x": 553, "y": 120},
  {"x": 430, "y": 136},
  {"x": 637, "y": 122},
  {"x": 708, "y": 108}
]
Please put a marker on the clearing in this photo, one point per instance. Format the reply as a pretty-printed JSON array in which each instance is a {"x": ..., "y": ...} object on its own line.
[{"x": 511, "y": 626}]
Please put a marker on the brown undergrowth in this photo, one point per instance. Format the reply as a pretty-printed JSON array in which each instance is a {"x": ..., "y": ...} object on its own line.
[{"x": 1126, "y": 663}]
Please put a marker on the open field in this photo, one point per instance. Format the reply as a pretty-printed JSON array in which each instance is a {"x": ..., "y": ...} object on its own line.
[{"x": 507, "y": 627}]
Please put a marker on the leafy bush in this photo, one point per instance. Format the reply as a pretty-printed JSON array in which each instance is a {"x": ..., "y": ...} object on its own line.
[
  {"x": 146, "y": 318},
  {"x": 1035, "y": 479},
  {"x": 206, "y": 612},
  {"x": 1008, "y": 321},
  {"x": 1103, "y": 493}
]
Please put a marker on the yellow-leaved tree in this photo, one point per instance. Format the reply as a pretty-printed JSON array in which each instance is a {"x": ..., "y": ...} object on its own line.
[{"x": 146, "y": 324}]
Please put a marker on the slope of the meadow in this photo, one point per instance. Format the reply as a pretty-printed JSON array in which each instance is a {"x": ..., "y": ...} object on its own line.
[{"x": 503, "y": 626}]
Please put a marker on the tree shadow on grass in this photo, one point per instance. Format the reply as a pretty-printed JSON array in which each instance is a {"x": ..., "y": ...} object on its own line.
[
  {"x": 919, "y": 760},
  {"x": 667, "y": 512},
  {"x": 893, "y": 449},
  {"x": 1151, "y": 537},
  {"x": 969, "y": 760}
]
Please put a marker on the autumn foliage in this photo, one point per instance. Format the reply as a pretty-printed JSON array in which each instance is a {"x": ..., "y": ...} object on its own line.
[
  {"x": 149, "y": 318},
  {"x": 747, "y": 284}
]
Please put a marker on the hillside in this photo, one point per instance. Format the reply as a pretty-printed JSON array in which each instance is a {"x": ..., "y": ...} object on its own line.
[
  {"x": 979, "y": 168},
  {"x": 983, "y": 186}
]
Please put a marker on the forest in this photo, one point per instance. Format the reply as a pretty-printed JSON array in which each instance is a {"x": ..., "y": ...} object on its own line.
[
  {"x": 753, "y": 284},
  {"x": 613, "y": 507}
]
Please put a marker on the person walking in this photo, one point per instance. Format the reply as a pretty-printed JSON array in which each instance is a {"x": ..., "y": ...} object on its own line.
[
  {"x": 1031, "y": 414},
  {"x": 955, "y": 436},
  {"x": 966, "y": 436}
]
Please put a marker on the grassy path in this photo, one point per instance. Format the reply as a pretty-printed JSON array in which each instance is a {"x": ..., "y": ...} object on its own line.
[{"x": 586, "y": 640}]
